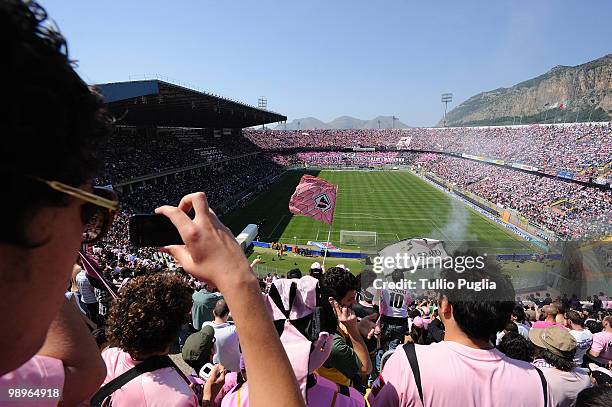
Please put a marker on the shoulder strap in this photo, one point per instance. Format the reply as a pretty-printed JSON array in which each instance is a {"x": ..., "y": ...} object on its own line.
[
  {"x": 344, "y": 390},
  {"x": 275, "y": 296},
  {"x": 414, "y": 365},
  {"x": 544, "y": 386},
  {"x": 149, "y": 365}
]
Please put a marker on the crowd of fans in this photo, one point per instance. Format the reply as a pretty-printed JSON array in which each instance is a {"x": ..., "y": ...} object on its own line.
[
  {"x": 569, "y": 210},
  {"x": 351, "y": 159},
  {"x": 132, "y": 153},
  {"x": 278, "y": 140},
  {"x": 162, "y": 310},
  {"x": 220, "y": 182},
  {"x": 580, "y": 149}
]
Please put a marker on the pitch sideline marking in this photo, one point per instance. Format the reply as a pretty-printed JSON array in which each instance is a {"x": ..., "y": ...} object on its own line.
[{"x": 277, "y": 223}]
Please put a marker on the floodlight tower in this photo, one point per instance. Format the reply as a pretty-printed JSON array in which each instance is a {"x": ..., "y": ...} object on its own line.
[
  {"x": 262, "y": 103},
  {"x": 446, "y": 99}
]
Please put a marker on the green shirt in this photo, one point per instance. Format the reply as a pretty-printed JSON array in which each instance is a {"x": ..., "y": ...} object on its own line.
[
  {"x": 203, "y": 304},
  {"x": 343, "y": 358}
]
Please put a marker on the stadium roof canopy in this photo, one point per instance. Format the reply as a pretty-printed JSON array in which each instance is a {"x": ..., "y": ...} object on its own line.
[{"x": 162, "y": 104}]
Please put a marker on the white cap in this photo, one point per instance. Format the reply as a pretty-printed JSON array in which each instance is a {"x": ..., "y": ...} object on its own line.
[
  {"x": 342, "y": 266},
  {"x": 315, "y": 265}
]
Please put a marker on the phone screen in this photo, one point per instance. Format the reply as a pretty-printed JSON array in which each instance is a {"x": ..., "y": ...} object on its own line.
[{"x": 151, "y": 230}]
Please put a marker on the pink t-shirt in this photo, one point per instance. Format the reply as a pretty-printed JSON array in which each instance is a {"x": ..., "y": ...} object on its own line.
[
  {"x": 456, "y": 375},
  {"x": 40, "y": 372},
  {"x": 602, "y": 343},
  {"x": 162, "y": 387}
]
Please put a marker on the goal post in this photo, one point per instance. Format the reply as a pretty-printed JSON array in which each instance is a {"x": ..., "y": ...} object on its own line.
[{"x": 358, "y": 237}]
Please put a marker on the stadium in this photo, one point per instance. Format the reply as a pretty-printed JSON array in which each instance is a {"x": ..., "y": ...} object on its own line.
[
  {"x": 163, "y": 245},
  {"x": 477, "y": 187}
]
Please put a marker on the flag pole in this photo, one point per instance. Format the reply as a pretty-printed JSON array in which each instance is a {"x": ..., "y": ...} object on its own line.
[{"x": 329, "y": 234}]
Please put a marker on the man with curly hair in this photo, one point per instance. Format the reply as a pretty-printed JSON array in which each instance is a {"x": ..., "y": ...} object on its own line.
[{"x": 144, "y": 322}]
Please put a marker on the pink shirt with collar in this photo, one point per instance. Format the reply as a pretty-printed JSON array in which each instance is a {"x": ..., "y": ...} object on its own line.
[{"x": 453, "y": 374}]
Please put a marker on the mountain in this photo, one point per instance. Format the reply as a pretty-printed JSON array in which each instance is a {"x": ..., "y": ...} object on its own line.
[
  {"x": 346, "y": 122},
  {"x": 563, "y": 94},
  {"x": 384, "y": 122},
  {"x": 342, "y": 122}
]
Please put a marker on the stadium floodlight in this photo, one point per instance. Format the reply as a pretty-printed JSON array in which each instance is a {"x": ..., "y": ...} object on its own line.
[
  {"x": 446, "y": 99},
  {"x": 262, "y": 103}
]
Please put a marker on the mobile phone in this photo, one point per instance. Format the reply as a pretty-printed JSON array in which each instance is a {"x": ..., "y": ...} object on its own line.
[
  {"x": 152, "y": 230},
  {"x": 206, "y": 371}
]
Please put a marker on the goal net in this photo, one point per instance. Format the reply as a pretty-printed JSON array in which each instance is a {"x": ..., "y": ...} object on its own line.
[{"x": 358, "y": 237}]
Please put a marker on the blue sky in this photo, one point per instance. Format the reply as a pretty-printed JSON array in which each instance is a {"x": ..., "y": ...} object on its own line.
[{"x": 335, "y": 57}]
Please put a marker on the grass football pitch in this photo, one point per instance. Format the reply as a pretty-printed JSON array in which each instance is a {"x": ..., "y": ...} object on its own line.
[{"x": 397, "y": 205}]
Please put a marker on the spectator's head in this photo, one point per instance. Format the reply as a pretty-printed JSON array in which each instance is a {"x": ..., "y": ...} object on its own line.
[
  {"x": 574, "y": 318},
  {"x": 294, "y": 273},
  {"x": 551, "y": 312},
  {"x": 316, "y": 270},
  {"x": 515, "y": 346},
  {"x": 555, "y": 345},
  {"x": 518, "y": 314},
  {"x": 477, "y": 314},
  {"x": 607, "y": 323},
  {"x": 148, "y": 315},
  {"x": 221, "y": 310},
  {"x": 397, "y": 276},
  {"x": 598, "y": 396},
  {"x": 593, "y": 326},
  {"x": 199, "y": 348},
  {"x": 560, "y": 319},
  {"x": 341, "y": 285},
  {"x": 53, "y": 123},
  {"x": 511, "y": 327}
]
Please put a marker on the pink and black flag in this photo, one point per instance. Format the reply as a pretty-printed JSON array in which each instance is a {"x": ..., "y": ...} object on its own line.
[
  {"x": 314, "y": 197},
  {"x": 92, "y": 269}
]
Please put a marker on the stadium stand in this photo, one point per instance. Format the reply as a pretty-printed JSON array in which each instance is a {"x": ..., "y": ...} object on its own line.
[{"x": 580, "y": 151}]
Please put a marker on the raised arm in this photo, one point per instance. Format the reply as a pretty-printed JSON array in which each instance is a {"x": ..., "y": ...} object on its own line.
[{"x": 211, "y": 254}]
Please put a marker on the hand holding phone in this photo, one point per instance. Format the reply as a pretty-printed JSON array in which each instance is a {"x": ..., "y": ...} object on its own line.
[
  {"x": 151, "y": 230},
  {"x": 210, "y": 252}
]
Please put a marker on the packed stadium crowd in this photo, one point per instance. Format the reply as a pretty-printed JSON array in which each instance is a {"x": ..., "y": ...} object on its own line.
[
  {"x": 580, "y": 149},
  {"x": 192, "y": 325},
  {"x": 238, "y": 176},
  {"x": 132, "y": 153},
  {"x": 569, "y": 210}
]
